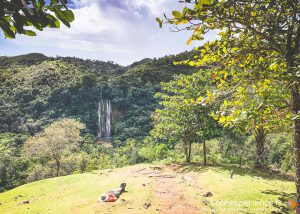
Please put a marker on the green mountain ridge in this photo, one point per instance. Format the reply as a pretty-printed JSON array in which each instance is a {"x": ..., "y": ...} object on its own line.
[{"x": 37, "y": 90}]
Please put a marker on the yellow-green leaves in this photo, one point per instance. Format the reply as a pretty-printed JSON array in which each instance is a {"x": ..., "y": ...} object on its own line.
[
  {"x": 273, "y": 66},
  {"x": 248, "y": 61},
  {"x": 176, "y": 14},
  {"x": 207, "y": 1},
  {"x": 185, "y": 11},
  {"x": 192, "y": 63},
  {"x": 190, "y": 40},
  {"x": 184, "y": 21},
  {"x": 29, "y": 33},
  {"x": 203, "y": 2},
  {"x": 160, "y": 22},
  {"x": 184, "y": 114},
  {"x": 194, "y": 37},
  {"x": 222, "y": 119},
  {"x": 197, "y": 34},
  {"x": 225, "y": 102}
]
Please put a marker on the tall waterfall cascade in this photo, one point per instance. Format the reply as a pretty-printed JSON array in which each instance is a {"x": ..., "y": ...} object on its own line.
[{"x": 104, "y": 119}]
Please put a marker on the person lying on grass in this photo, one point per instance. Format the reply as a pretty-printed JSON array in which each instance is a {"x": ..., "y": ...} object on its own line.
[{"x": 113, "y": 195}]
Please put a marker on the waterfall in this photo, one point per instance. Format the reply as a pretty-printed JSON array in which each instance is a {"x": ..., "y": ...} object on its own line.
[{"x": 104, "y": 119}]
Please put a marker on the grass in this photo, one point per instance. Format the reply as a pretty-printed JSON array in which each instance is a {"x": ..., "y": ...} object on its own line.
[
  {"x": 77, "y": 194},
  {"x": 247, "y": 192}
]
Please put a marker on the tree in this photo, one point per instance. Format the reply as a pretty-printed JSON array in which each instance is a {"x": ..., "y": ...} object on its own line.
[
  {"x": 56, "y": 141},
  {"x": 17, "y": 14},
  {"x": 11, "y": 165},
  {"x": 258, "y": 40},
  {"x": 234, "y": 146},
  {"x": 253, "y": 107},
  {"x": 180, "y": 120}
]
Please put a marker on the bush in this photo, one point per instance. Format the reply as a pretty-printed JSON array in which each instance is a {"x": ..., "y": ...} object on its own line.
[
  {"x": 154, "y": 152},
  {"x": 38, "y": 172},
  {"x": 280, "y": 151},
  {"x": 127, "y": 154}
]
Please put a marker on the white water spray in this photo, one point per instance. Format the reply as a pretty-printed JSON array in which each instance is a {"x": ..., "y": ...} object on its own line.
[{"x": 104, "y": 119}]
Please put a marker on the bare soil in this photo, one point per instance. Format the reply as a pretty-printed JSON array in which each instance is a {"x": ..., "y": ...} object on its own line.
[{"x": 169, "y": 188}]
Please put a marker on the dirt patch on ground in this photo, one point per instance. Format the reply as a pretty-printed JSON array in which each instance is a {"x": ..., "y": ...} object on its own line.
[{"x": 169, "y": 189}]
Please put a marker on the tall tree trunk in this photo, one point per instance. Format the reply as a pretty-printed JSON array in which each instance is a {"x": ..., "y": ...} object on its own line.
[
  {"x": 186, "y": 152},
  {"x": 189, "y": 150},
  {"x": 295, "y": 94},
  {"x": 57, "y": 167},
  {"x": 241, "y": 161},
  {"x": 204, "y": 153},
  {"x": 260, "y": 138},
  {"x": 296, "y": 109}
]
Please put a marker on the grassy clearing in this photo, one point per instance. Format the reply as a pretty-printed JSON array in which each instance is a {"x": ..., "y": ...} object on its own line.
[
  {"x": 247, "y": 192},
  {"x": 78, "y": 194}
]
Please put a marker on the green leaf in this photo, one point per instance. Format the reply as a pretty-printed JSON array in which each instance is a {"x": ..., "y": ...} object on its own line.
[
  {"x": 176, "y": 14},
  {"x": 69, "y": 15},
  {"x": 54, "y": 2},
  {"x": 7, "y": 29},
  {"x": 208, "y": 2},
  {"x": 160, "y": 22},
  {"x": 185, "y": 10},
  {"x": 183, "y": 21},
  {"x": 190, "y": 40},
  {"x": 29, "y": 33},
  {"x": 61, "y": 16},
  {"x": 222, "y": 119},
  {"x": 65, "y": 16},
  {"x": 192, "y": 63},
  {"x": 53, "y": 22}
]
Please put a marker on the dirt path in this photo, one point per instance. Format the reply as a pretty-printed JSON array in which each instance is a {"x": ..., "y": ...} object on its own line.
[{"x": 169, "y": 188}]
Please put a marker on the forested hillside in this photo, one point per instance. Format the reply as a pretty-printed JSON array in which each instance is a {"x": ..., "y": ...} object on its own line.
[{"x": 37, "y": 90}]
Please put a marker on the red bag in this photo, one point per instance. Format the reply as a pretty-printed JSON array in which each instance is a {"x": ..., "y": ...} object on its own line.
[{"x": 111, "y": 197}]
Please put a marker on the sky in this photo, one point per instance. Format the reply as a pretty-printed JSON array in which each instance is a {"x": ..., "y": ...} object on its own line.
[{"x": 123, "y": 31}]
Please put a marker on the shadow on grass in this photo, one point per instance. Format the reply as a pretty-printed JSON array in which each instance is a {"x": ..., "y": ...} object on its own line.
[
  {"x": 265, "y": 174},
  {"x": 283, "y": 197}
]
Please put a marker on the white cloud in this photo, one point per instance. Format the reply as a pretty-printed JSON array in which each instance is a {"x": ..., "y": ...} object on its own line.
[
  {"x": 121, "y": 31},
  {"x": 135, "y": 6},
  {"x": 152, "y": 6}
]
